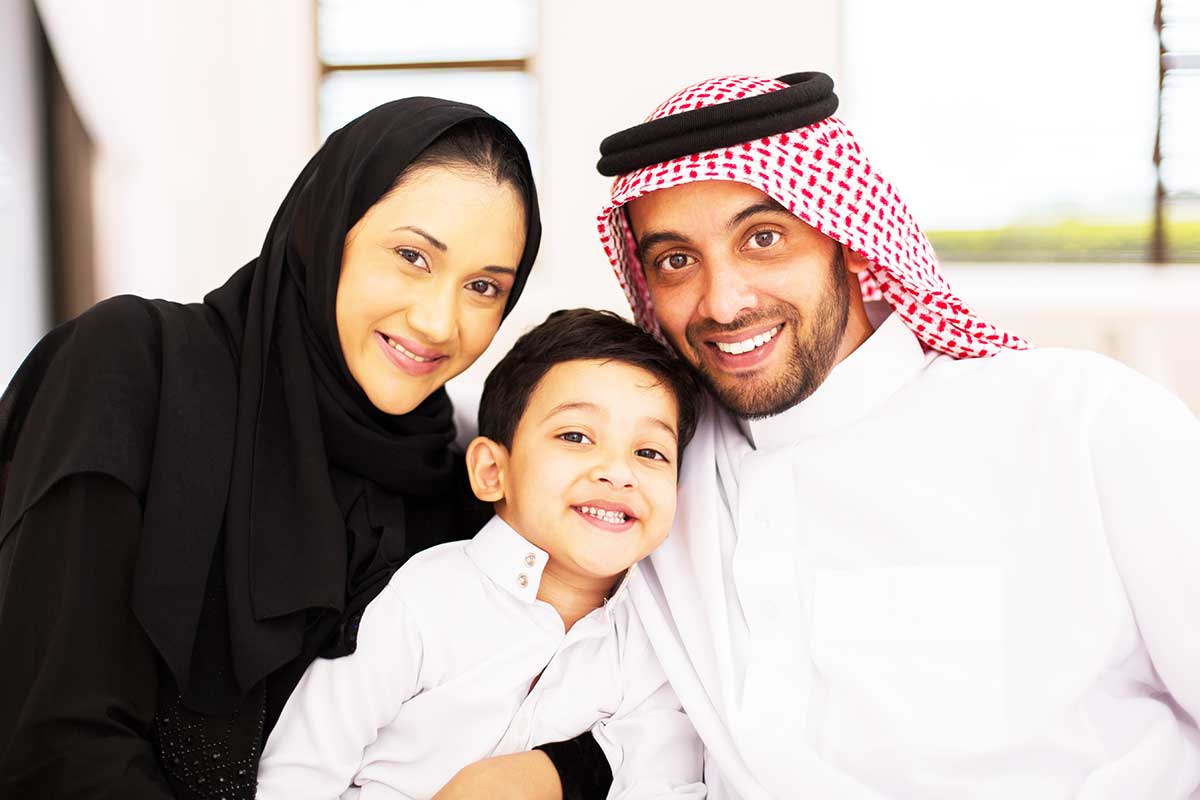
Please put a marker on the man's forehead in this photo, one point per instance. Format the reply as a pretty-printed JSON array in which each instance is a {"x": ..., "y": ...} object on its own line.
[{"x": 706, "y": 202}]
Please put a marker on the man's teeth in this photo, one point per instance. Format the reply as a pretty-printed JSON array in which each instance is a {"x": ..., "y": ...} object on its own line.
[
  {"x": 745, "y": 346},
  {"x": 408, "y": 353},
  {"x": 615, "y": 517}
]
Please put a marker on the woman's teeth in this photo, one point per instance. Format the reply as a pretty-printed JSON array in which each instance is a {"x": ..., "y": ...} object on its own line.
[
  {"x": 615, "y": 517},
  {"x": 408, "y": 353},
  {"x": 737, "y": 348}
]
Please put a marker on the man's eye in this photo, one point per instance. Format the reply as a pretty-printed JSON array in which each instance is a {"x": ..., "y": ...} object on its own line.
[
  {"x": 575, "y": 437},
  {"x": 413, "y": 257},
  {"x": 647, "y": 452},
  {"x": 764, "y": 239},
  {"x": 674, "y": 261}
]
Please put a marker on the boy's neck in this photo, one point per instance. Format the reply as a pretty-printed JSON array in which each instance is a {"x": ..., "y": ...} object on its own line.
[{"x": 573, "y": 596}]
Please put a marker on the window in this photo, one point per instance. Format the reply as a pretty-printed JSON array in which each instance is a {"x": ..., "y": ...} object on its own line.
[
  {"x": 373, "y": 51},
  {"x": 1177, "y": 146},
  {"x": 1025, "y": 131}
]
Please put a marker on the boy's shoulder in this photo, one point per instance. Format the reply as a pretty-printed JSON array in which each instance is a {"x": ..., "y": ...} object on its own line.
[
  {"x": 440, "y": 562},
  {"x": 432, "y": 575}
]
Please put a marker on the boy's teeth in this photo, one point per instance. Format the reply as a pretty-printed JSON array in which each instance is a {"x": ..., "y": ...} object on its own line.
[
  {"x": 408, "y": 353},
  {"x": 746, "y": 345},
  {"x": 615, "y": 517}
]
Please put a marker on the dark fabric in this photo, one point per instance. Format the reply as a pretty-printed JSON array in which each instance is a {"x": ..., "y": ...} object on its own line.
[
  {"x": 809, "y": 98},
  {"x": 276, "y": 497},
  {"x": 583, "y": 769},
  {"x": 78, "y": 676}
]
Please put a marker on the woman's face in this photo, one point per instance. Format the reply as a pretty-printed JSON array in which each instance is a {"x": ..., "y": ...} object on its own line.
[{"x": 426, "y": 274}]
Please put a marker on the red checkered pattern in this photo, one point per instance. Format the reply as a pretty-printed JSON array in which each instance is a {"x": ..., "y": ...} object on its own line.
[{"x": 820, "y": 174}]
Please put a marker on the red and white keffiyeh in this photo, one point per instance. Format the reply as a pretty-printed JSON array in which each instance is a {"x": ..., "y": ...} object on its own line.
[{"x": 820, "y": 174}]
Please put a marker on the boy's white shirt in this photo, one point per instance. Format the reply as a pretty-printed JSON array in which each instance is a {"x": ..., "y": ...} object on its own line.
[
  {"x": 940, "y": 578},
  {"x": 440, "y": 678}
]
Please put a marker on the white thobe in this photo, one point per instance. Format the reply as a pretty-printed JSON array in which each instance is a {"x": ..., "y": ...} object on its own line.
[
  {"x": 941, "y": 579},
  {"x": 458, "y": 660}
]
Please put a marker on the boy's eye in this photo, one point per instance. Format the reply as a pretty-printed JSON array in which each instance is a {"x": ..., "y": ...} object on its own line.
[
  {"x": 647, "y": 452},
  {"x": 575, "y": 437}
]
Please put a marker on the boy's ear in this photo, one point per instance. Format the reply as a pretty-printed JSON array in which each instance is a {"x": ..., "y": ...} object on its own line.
[{"x": 487, "y": 465}]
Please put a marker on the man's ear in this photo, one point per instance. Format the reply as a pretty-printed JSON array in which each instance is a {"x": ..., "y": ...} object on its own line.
[
  {"x": 855, "y": 263},
  {"x": 487, "y": 466}
]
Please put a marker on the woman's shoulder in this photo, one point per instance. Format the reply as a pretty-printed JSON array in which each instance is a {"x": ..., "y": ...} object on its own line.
[
  {"x": 96, "y": 392},
  {"x": 123, "y": 338}
]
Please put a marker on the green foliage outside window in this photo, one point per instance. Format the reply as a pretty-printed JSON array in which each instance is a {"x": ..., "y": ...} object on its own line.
[{"x": 1067, "y": 241}]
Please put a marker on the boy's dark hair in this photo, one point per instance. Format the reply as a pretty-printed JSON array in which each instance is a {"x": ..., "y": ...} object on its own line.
[{"x": 573, "y": 335}]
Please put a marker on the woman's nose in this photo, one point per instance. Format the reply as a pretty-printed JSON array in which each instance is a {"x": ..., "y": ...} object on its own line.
[{"x": 434, "y": 314}]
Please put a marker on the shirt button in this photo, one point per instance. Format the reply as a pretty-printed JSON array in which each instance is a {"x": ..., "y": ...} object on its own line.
[
  {"x": 522, "y": 580},
  {"x": 530, "y": 560}
]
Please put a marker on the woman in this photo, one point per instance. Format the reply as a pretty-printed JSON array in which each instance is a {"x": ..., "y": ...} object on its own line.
[{"x": 198, "y": 500}]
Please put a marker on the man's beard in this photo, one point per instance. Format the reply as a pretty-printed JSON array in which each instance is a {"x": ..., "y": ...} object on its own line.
[{"x": 805, "y": 367}]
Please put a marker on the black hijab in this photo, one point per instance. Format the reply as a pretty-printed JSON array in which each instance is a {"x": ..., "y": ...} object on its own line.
[{"x": 277, "y": 500}]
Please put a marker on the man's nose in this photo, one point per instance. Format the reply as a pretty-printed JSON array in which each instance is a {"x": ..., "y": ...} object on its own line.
[{"x": 727, "y": 292}]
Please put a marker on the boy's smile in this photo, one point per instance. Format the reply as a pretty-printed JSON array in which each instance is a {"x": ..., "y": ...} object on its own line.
[{"x": 591, "y": 477}]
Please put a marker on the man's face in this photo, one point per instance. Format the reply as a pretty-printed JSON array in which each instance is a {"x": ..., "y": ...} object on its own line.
[{"x": 753, "y": 298}]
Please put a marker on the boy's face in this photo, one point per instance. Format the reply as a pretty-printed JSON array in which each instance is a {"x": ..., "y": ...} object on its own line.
[{"x": 591, "y": 476}]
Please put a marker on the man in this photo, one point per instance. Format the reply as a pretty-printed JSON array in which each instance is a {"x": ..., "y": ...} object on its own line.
[{"x": 913, "y": 557}]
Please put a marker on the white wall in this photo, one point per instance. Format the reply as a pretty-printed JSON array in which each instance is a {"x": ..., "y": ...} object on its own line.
[
  {"x": 605, "y": 66},
  {"x": 23, "y": 298},
  {"x": 202, "y": 115}
]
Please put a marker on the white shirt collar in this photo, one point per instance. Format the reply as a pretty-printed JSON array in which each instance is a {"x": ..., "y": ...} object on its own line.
[
  {"x": 515, "y": 565},
  {"x": 857, "y": 385},
  {"x": 508, "y": 559}
]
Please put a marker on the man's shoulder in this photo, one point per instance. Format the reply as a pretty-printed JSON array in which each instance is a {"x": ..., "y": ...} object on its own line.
[
  {"x": 1056, "y": 379},
  {"x": 1052, "y": 370}
]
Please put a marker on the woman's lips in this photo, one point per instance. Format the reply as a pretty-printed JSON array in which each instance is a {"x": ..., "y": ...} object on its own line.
[{"x": 408, "y": 355}]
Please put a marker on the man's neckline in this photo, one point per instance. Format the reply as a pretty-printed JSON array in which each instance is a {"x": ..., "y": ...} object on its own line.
[{"x": 857, "y": 385}]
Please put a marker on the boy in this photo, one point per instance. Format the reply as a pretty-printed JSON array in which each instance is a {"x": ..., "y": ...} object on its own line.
[{"x": 524, "y": 634}]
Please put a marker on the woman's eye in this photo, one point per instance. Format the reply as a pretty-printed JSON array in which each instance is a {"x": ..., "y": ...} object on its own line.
[
  {"x": 413, "y": 257},
  {"x": 575, "y": 437},
  {"x": 484, "y": 287},
  {"x": 649, "y": 453},
  {"x": 764, "y": 239},
  {"x": 674, "y": 261}
]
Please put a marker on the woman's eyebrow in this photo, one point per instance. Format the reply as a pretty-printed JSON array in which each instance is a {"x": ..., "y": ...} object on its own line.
[{"x": 439, "y": 245}]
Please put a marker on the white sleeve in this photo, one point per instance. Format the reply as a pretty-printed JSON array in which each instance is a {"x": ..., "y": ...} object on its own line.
[
  {"x": 650, "y": 743},
  {"x": 339, "y": 706},
  {"x": 1146, "y": 456}
]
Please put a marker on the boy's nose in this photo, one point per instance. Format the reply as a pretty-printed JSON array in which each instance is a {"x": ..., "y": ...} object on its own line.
[{"x": 616, "y": 473}]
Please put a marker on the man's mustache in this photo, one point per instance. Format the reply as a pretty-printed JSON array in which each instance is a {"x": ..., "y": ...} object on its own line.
[{"x": 696, "y": 332}]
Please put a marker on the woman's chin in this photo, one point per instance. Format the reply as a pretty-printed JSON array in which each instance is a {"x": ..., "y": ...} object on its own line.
[{"x": 400, "y": 403}]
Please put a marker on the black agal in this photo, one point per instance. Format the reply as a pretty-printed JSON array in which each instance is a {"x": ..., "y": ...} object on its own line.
[{"x": 808, "y": 98}]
